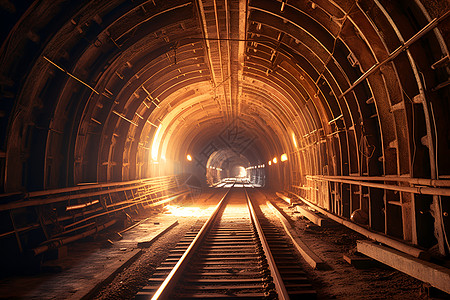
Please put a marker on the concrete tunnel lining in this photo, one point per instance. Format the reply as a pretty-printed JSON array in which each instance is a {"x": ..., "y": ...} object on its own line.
[{"x": 345, "y": 89}]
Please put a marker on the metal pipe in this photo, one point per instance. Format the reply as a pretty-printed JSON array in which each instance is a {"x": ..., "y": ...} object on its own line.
[
  {"x": 148, "y": 121},
  {"x": 57, "y": 236},
  {"x": 85, "y": 213},
  {"x": 397, "y": 51},
  {"x": 416, "y": 181},
  {"x": 128, "y": 205},
  {"x": 18, "y": 230},
  {"x": 85, "y": 186},
  {"x": 47, "y": 222},
  {"x": 67, "y": 240},
  {"x": 415, "y": 190},
  {"x": 71, "y": 75},
  {"x": 125, "y": 118},
  {"x": 31, "y": 202},
  {"x": 370, "y": 234}
]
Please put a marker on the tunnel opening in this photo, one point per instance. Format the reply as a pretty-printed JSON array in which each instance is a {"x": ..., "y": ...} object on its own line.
[
  {"x": 238, "y": 172},
  {"x": 226, "y": 165}
]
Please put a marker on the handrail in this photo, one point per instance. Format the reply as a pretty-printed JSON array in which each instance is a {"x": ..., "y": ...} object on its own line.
[
  {"x": 43, "y": 201},
  {"x": 400, "y": 246},
  {"x": 85, "y": 186},
  {"x": 70, "y": 209},
  {"x": 277, "y": 280},
  {"x": 411, "y": 180},
  {"x": 416, "y": 190},
  {"x": 165, "y": 289}
]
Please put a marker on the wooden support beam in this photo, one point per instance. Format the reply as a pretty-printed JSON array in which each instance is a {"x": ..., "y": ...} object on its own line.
[
  {"x": 435, "y": 275},
  {"x": 308, "y": 255},
  {"x": 311, "y": 216},
  {"x": 370, "y": 234}
]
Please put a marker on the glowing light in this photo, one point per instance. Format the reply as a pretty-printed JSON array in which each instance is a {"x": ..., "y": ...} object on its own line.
[
  {"x": 242, "y": 172},
  {"x": 275, "y": 160},
  {"x": 284, "y": 157},
  {"x": 294, "y": 140},
  {"x": 189, "y": 157},
  {"x": 182, "y": 211},
  {"x": 155, "y": 144},
  {"x": 270, "y": 162},
  {"x": 81, "y": 205}
]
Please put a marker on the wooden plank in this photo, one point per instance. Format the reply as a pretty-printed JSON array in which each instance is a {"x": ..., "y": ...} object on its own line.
[
  {"x": 435, "y": 275},
  {"x": 308, "y": 255},
  {"x": 311, "y": 216},
  {"x": 416, "y": 252},
  {"x": 360, "y": 262},
  {"x": 107, "y": 275},
  {"x": 146, "y": 244}
]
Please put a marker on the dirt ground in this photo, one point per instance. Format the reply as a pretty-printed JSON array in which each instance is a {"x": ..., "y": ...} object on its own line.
[
  {"x": 128, "y": 283},
  {"x": 342, "y": 280},
  {"x": 339, "y": 281}
]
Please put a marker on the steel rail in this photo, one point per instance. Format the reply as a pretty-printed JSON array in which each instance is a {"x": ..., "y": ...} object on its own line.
[
  {"x": 276, "y": 277},
  {"x": 168, "y": 284}
]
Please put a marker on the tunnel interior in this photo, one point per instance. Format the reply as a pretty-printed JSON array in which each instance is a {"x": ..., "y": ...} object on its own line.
[
  {"x": 342, "y": 103},
  {"x": 227, "y": 164}
]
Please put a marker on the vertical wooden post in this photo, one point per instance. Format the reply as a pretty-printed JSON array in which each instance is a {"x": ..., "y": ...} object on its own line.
[{"x": 19, "y": 243}]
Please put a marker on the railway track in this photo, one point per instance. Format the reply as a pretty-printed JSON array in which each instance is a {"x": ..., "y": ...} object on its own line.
[{"x": 236, "y": 253}]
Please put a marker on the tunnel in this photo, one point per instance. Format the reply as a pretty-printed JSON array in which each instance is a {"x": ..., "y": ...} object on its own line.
[{"x": 110, "y": 106}]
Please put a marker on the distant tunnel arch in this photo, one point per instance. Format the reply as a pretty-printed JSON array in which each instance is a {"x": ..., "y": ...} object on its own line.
[{"x": 112, "y": 91}]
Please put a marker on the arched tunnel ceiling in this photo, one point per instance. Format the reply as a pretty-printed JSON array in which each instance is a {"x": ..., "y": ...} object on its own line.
[{"x": 97, "y": 91}]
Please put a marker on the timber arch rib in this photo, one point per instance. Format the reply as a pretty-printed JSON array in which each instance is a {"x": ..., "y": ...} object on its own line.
[{"x": 354, "y": 92}]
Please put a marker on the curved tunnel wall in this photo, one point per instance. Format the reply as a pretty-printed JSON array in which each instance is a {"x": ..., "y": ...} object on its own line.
[{"x": 344, "y": 88}]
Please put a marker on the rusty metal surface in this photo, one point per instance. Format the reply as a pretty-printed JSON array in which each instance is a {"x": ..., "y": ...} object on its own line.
[
  {"x": 232, "y": 254},
  {"x": 109, "y": 91}
]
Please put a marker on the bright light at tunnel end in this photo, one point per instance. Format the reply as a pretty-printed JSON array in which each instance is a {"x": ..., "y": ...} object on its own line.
[{"x": 189, "y": 157}]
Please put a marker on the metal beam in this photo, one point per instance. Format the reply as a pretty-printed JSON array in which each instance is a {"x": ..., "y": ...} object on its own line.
[
  {"x": 392, "y": 187},
  {"x": 430, "y": 26}
]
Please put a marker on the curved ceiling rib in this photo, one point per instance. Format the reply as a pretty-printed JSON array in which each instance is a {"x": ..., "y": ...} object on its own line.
[{"x": 345, "y": 88}]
